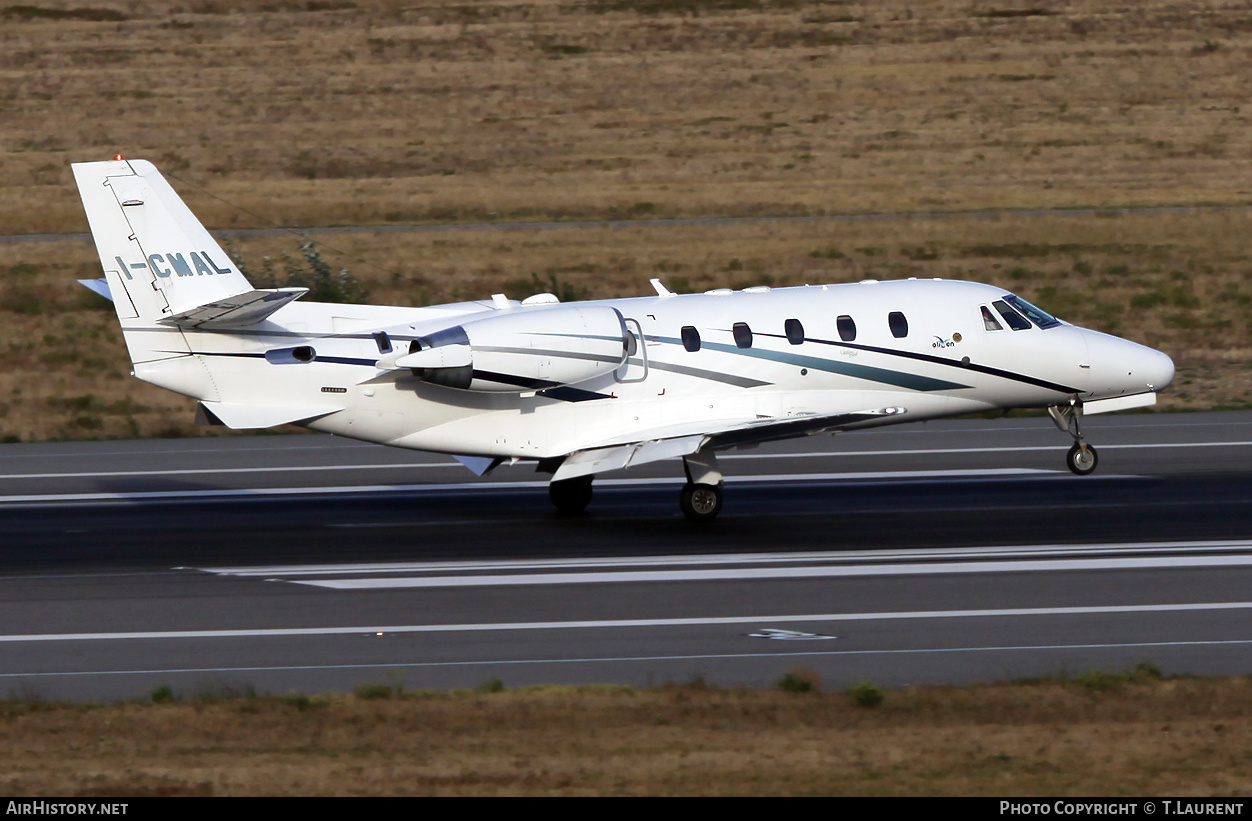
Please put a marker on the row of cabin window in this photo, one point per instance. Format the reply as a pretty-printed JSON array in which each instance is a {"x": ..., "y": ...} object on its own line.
[{"x": 794, "y": 331}]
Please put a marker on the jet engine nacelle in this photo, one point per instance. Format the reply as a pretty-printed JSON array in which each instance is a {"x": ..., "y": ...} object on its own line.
[{"x": 520, "y": 350}]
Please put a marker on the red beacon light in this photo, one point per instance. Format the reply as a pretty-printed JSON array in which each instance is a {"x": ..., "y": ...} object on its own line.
[{"x": 118, "y": 157}]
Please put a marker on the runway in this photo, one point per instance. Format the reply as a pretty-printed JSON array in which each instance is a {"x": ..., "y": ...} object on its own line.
[{"x": 942, "y": 552}]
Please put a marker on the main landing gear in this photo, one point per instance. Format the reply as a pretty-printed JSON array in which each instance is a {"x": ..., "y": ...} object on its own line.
[
  {"x": 1082, "y": 458},
  {"x": 701, "y": 498},
  {"x": 571, "y": 496}
]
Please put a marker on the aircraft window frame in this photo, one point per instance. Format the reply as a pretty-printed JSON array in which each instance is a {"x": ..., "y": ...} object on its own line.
[
  {"x": 1035, "y": 314},
  {"x": 690, "y": 337},
  {"x": 989, "y": 321},
  {"x": 846, "y": 326},
  {"x": 743, "y": 334},
  {"x": 794, "y": 330},
  {"x": 1015, "y": 320},
  {"x": 898, "y": 323}
]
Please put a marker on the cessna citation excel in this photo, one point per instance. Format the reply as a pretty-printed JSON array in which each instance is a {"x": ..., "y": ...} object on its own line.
[{"x": 586, "y": 387}]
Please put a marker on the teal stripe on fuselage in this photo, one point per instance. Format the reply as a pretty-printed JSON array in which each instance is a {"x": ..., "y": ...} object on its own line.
[{"x": 911, "y": 381}]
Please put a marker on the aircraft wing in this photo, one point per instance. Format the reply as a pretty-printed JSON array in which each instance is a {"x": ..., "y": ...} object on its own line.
[{"x": 682, "y": 441}]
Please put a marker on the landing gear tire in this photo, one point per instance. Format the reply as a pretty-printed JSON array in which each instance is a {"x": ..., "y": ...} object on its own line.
[
  {"x": 700, "y": 503},
  {"x": 570, "y": 496},
  {"x": 1082, "y": 460}
]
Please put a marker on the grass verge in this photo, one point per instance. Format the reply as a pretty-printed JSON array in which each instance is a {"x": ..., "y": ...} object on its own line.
[{"x": 1132, "y": 732}]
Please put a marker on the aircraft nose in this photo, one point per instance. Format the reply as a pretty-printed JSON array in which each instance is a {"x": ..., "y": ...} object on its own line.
[
  {"x": 1158, "y": 370},
  {"x": 1121, "y": 367}
]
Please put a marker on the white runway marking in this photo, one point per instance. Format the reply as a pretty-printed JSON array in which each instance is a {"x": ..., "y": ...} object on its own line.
[
  {"x": 757, "y": 573},
  {"x": 372, "y": 630},
  {"x": 946, "y": 451},
  {"x": 836, "y": 556}
]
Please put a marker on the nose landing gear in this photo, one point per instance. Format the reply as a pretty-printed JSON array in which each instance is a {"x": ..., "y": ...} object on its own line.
[{"x": 1082, "y": 458}]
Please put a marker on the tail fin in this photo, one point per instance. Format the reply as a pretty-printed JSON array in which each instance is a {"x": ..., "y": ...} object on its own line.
[
  {"x": 163, "y": 268},
  {"x": 159, "y": 260},
  {"x": 165, "y": 273}
]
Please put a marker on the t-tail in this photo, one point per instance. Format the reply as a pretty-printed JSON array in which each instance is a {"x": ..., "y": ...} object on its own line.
[{"x": 166, "y": 274}]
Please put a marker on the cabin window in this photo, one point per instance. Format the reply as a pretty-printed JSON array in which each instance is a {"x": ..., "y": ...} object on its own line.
[
  {"x": 989, "y": 320},
  {"x": 847, "y": 328},
  {"x": 383, "y": 341},
  {"x": 898, "y": 324},
  {"x": 743, "y": 334},
  {"x": 691, "y": 338},
  {"x": 794, "y": 330},
  {"x": 1016, "y": 321}
]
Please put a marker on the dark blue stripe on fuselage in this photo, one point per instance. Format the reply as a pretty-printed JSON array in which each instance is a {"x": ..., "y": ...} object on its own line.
[
  {"x": 870, "y": 373},
  {"x": 939, "y": 360}
]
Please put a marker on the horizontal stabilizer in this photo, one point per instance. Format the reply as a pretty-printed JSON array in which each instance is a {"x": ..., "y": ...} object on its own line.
[
  {"x": 236, "y": 311},
  {"x": 100, "y": 286},
  {"x": 246, "y": 417}
]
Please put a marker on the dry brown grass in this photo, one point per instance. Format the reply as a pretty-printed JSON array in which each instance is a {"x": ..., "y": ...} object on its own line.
[
  {"x": 367, "y": 112},
  {"x": 371, "y": 111},
  {"x": 1176, "y": 738}
]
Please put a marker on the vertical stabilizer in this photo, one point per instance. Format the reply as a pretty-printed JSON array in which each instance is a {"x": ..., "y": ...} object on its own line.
[
  {"x": 160, "y": 262},
  {"x": 157, "y": 257}
]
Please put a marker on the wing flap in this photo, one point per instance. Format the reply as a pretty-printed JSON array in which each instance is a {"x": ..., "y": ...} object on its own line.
[
  {"x": 680, "y": 441},
  {"x": 598, "y": 460}
]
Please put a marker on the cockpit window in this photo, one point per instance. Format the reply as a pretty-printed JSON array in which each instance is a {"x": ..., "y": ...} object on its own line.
[
  {"x": 1040, "y": 317},
  {"x": 1016, "y": 321},
  {"x": 989, "y": 320}
]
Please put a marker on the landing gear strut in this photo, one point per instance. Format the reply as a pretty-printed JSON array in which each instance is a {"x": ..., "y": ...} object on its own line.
[
  {"x": 1082, "y": 458},
  {"x": 701, "y": 498},
  {"x": 570, "y": 496}
]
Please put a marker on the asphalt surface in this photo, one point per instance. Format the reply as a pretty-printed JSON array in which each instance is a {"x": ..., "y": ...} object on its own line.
[{"x": 939, "y": 552}]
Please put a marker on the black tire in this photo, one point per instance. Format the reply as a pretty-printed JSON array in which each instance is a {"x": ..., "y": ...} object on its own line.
[
  {"x": 571, "y": 496},
  {"x": 700, "y": 503},
  {"x": 1082, "y": 460}
]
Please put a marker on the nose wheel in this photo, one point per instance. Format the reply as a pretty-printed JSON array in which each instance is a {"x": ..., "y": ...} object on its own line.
[{"x": 1082, "y": 458}]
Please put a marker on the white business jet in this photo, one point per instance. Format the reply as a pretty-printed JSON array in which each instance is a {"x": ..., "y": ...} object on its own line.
[{"x": 586, "y": 387}]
